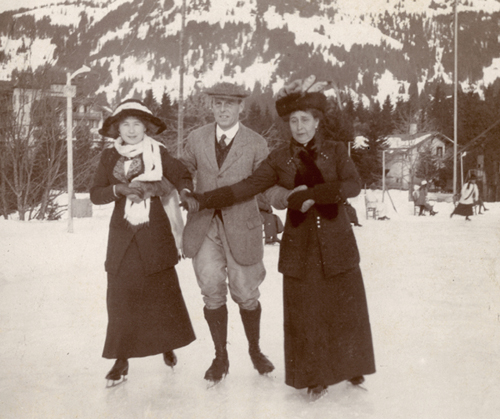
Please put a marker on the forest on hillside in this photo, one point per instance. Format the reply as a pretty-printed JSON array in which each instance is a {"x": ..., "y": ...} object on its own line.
[
  {"x": 426, "y": 46},
  {"x": 33, "y": 166}
]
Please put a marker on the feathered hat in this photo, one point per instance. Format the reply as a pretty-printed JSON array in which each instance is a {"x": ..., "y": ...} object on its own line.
[
  {"x": 131, "y": 107},
  {"x": 300, "y": 95}
]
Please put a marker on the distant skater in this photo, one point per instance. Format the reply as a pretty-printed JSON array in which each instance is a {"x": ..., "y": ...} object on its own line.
[
  {"x": 468, "y": 196},
  {"x": 272, "y": 223},
  {"x": 480, "y": 203},
  {"x": 422, "y": 201}
]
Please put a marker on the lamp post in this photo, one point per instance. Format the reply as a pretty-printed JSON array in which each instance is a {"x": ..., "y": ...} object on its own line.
[
  {"x": 462, "y": 155},
  {"x": 180, "y": 112},
  {"x": 69, "y": 93},
  {"x": 455, "y": 98}
]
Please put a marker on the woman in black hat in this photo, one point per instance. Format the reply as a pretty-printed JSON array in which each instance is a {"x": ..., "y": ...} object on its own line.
[
  {"x": 327, "y": 329},
  {"x": 146, "y": 311},
  {"x": 468, "y": 197}
]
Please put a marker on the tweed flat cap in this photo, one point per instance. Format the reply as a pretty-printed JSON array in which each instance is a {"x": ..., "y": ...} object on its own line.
[{"x": 229, "y": 90}]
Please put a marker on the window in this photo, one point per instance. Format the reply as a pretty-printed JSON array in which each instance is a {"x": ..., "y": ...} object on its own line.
[{"x": 439, "y": 151}]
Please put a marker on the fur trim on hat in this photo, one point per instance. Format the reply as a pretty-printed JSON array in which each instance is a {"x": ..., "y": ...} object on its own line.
[
  {"x": 301, "y": 102},
  {"x": 136, "y": 108}
]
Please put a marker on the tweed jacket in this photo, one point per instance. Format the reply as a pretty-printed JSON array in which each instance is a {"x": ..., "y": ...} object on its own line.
[
  {"x": 327, "y": 218},
  {"x": 155, "y": 240},
  {"x": 242, "y": 222}
]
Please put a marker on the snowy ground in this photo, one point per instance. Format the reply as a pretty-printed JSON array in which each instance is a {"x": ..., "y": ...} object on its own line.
[{"x": 433, "y": 293}]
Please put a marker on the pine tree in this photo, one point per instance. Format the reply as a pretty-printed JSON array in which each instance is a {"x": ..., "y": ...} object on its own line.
[
  {"x": 167, "y": 110},
  {"x": 387, "y": 117},
  {"x": 150, "y": 101},
  {"x": 253, "y": 118}
]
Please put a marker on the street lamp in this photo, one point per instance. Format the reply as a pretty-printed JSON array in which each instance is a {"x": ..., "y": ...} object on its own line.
[
  {"x": 383, "y": 171},
  {"x": 182, "y": 69},
  {"x": 69, "y": 93},
  {"x": 455, "y": 97}
]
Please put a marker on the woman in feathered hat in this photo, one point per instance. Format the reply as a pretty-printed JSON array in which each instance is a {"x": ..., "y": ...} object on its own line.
[
  {"x": 327, "y": 329},
  {"x": 468, "y": 197},
  {"x": 146, "y": 311}
]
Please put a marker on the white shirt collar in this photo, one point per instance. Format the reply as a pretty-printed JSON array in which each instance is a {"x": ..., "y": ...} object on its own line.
[{"x": 230, "y": 133}]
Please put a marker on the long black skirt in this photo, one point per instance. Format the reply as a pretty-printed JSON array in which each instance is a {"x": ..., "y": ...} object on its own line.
[
  {"x": 146, "y": 313},
  {"x": 464, "y": 209},
  {"x": 327, "y": 327}
]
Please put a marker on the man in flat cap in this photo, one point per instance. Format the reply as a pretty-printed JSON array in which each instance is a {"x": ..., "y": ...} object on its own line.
[{"x": 226, "y": 245}]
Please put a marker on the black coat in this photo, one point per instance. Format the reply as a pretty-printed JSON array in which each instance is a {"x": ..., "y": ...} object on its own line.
[
  {"x": 155, "y": 241},
  {"x": 146, "y": 311},
  {"x": 328, "y": 217}
]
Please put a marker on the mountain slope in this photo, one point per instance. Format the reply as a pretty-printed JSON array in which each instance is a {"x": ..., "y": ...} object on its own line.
[{"x": 371, "y": 49}]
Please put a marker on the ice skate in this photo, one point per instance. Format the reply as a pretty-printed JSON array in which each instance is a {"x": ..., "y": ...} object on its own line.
[
  {"x": 316, "y": 392},
  {"x": 218, "y": 370},
  {"x": 170, "y": 359},
  {"x": 357, "y": 381},
  {"x": 117, "y": 374},
  {"x": 260, "y": 362}
]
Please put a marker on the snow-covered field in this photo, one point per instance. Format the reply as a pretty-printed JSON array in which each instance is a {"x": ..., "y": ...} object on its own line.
[{"x": 433, "y": 293}]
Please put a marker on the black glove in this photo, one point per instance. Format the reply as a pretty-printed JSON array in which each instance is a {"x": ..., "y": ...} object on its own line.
[
  {"x": 126, "y": 190},
  {"x": 296, "y": 199}
]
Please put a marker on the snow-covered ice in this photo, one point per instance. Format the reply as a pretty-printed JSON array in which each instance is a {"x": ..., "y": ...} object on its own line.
[{"x": 433, "y": 294}]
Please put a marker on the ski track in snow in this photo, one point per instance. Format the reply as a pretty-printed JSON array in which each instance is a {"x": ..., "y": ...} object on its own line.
[{"x": 433, "y": 294}]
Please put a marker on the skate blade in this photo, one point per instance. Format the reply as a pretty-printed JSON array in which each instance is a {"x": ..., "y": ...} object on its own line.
[
  {"x": 115, "y": 383},
  {"x": 360, "y": 386},
  {"x": 212, "y": 384},
  {"x": 313, "y": 398}
]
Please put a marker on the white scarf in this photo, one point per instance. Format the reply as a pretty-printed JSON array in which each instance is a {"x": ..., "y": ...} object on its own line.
[{"x": 138, "y": 213}]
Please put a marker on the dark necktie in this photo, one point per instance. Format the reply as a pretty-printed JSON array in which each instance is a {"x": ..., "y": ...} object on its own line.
[{"x": 222, "y": 142}]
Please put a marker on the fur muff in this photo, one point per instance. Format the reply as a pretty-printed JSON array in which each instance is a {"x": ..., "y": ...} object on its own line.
[{"x": 309, "y": 174}]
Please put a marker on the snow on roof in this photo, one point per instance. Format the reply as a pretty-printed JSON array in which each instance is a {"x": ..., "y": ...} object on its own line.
[
  {"x": 406, "y": 141},
  {"x": 397, "y": 142}
]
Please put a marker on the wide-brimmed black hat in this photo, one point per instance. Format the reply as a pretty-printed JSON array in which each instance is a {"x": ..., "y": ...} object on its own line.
[
  {"x": 131, "y": 107},
  {"x": 301, "y": 101}
]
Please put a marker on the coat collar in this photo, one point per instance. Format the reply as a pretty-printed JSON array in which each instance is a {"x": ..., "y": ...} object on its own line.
[
  {"x": 230, "y": 133},
  {"x": 234, "y": 154}
]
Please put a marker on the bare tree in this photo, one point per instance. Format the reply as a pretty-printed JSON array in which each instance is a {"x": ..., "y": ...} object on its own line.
[
  {"x": 18, "y": 155},
  {"x": 33, "y": 155}
]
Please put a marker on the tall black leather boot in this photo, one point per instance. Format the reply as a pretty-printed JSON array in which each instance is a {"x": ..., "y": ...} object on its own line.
[
  {"x": 251, "y": 324},
  {"x": 217, "y": 322}
]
